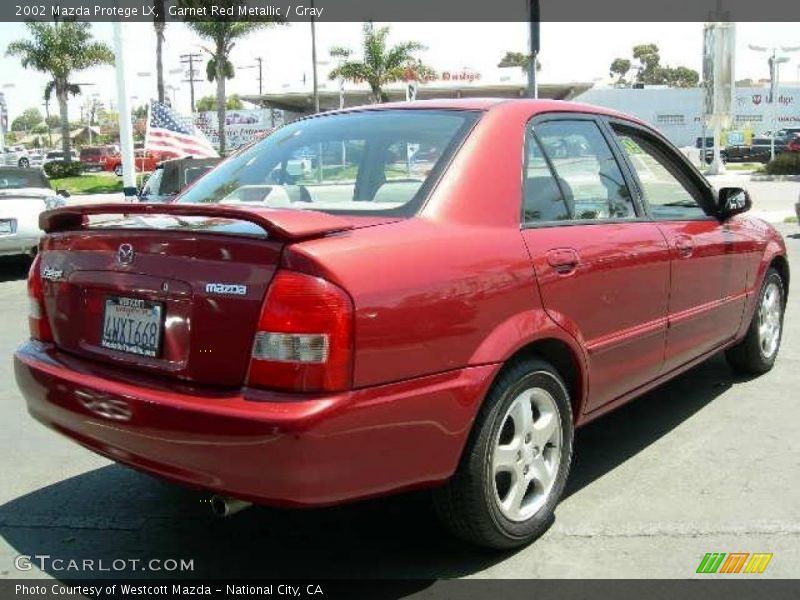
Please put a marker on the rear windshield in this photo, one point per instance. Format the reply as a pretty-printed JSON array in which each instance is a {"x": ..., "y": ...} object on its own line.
[
  {"x": 376, "y": 162},
  {"x": 14, "y": 179}
]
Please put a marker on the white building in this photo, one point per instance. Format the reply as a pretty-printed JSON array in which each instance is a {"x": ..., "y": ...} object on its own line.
[{"x": 678, "y": 113}]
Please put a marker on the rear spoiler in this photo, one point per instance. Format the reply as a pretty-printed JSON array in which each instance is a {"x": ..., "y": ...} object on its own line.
[{"x": 287, "y": 224}]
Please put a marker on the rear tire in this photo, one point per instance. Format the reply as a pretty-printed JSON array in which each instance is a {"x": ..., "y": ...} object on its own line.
[
  {"x": 516, "y": 462},
  {"x": 757, "y": 351},
  {"x": 24, "y": 163},
  {"x": 118, "y": 170}
]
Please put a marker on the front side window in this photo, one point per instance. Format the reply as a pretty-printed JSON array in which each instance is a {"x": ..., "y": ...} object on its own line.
[
  {"x": 588, "y": 176},
  {"x": 666, "y": 192},
  {"x": 377, "y": 162}
]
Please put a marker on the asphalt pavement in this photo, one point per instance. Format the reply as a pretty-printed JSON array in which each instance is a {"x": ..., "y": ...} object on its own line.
[{"x": 709, "y": 462}]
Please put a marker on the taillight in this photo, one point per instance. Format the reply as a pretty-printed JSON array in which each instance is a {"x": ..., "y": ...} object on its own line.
[
  {"x": 304, "y": 341},
  {"x": 37, "y": 318}
]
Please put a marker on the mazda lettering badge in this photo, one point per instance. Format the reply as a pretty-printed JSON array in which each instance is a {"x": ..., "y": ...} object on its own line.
[{"x": 125, "y": 254}]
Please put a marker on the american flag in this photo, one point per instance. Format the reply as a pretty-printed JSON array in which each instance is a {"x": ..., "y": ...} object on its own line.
[{"x": 169, "y": 132}]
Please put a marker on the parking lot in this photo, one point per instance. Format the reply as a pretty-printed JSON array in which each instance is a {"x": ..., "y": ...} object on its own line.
[{"x": 707, "y": 463}]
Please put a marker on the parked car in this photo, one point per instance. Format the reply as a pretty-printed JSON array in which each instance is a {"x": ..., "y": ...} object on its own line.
[
  {"x": 24, "y": 195},
  {"x": 57, "y": 155},
  {"x": 16, "y": 156},
  {"x": 787, "y": 134},
  {"x": 315, "y": 339},
  {"x": 143, "y": 160},
  {"x": 759, "y": 151},
  {"x": 172, "y": 176},
  {"x": 35, "y": 158},
  {"x": 95, "y": 157},
  {"x": 793, "y": 144}
]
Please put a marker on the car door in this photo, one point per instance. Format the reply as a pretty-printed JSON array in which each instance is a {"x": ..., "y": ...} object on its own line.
[
  {"x": 602, "y": 269},
  {"x": 708, "y": 257}
]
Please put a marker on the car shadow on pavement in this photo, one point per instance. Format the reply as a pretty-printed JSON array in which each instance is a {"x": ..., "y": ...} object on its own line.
[
  {"x": 14, "y": 268},
  {"x": 117, "y": 513}
]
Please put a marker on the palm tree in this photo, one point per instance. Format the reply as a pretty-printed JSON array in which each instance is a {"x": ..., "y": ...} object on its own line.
[
  {"x": 380, "y": 65},
  {"x": 60, "y": 50},
  {"x": 223, "y": 34},
  {"x": 159, "y": 24}
]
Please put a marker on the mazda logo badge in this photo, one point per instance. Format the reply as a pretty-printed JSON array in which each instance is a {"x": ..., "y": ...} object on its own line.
[{"x": 125, "y": 254}]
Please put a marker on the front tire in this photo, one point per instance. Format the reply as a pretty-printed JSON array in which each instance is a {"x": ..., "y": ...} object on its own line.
[
  {"x": 24, "y": 163},
  {"x": 516, "y": 462},
  {"x": 757, "y": 351}
]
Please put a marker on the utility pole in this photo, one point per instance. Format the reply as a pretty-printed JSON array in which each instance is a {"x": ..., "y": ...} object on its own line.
[
  {"x": 314, "y": 61},
  {"x": 259, "y": 66},
  {"x": 190, "y": 59},
  {"x": 533, "y": 19}
]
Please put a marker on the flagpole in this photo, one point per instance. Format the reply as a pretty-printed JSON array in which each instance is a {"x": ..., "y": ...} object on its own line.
[
  {"x": 147, "y": 123},
  {"x": 123, "y": 105}
]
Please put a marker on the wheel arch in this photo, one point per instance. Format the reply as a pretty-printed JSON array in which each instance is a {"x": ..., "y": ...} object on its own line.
[{"x": 781, "y": 265}]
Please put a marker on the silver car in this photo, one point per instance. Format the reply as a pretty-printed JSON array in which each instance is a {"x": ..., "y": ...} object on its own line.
[{"x": 24, "y": 194}]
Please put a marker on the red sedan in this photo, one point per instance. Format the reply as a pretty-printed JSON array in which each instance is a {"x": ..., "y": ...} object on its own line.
[
  {"x": 336, "y": 313},
  {"x": 143, "y": 160}
]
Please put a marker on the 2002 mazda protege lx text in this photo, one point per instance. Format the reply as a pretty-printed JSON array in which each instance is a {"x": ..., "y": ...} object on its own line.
[{"x": 428, "y": 294}]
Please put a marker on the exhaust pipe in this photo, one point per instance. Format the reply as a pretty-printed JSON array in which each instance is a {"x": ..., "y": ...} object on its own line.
[{"x": 225, "y": 506}]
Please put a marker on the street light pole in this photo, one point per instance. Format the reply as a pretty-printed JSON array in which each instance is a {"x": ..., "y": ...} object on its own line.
[{"x": 774, "y": 61}]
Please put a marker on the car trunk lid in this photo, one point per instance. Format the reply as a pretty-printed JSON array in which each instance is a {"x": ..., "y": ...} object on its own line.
[{"x": 175, "y": 290}]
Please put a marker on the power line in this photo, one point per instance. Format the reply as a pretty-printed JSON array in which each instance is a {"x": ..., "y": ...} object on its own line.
[{"x": 190, "y": 59}]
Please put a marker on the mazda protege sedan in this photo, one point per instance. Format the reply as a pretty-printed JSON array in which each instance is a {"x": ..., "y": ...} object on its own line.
[{"x": 417, "y": 295}]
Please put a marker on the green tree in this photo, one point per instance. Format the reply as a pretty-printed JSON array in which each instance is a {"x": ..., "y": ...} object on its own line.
[
  {"x": 60, "y": 50},
  {"x": 223, "y": 34},
  {"x": 649, "y": 70},
  {"x": 209, "y": 103},
  {"x": 649, "y": 63},
  {"x": 518, "y": 59},
  {"x": 29, "y": 118},
  {"x": 379, "y": 64},
  {"x": 620, "y": 67}
]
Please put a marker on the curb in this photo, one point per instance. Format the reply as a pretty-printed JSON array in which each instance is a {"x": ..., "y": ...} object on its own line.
[{"x": 775, "y": 178}]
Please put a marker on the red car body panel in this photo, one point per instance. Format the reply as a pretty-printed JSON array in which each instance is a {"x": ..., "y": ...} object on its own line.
[{"x": 432, "y": 325}]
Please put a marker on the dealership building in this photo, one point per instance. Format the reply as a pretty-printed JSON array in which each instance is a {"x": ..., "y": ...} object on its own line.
[{"x": 676, "y": 112}]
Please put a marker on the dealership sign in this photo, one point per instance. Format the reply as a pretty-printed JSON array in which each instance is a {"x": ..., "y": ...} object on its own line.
[{"x": 241, "y": 126}]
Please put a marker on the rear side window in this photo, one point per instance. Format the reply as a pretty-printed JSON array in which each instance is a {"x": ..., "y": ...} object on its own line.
[
  {"x": 377, "y": 162},
  {"x": 583, "y": 169}
]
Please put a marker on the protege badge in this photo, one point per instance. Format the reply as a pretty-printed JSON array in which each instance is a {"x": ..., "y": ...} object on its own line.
[
  {"x": 226, "y": 288},
  {"x": 52, "y": 274}
]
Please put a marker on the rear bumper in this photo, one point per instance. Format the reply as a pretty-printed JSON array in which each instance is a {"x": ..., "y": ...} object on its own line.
[{"x": 260, "y": 446}]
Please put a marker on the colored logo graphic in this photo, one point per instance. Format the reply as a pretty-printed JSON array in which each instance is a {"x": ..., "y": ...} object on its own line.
[{"x": 735, "y": 562}]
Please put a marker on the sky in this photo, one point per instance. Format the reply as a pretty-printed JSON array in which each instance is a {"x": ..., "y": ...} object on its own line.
[{"x": 569, "y": 52}]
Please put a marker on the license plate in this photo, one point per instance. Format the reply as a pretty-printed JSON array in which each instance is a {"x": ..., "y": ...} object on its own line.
[
  {"x": 8, "y": 226},
  {"x": 132, "y": 325}
]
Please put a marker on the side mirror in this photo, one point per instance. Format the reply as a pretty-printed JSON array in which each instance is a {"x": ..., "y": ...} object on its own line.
[
  {"x": 63, "y": 193},
  {"x": 733, "y": 201}
]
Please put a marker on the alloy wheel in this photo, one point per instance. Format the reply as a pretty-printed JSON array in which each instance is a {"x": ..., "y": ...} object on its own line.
[
  {"x": 527, "y": 454},
  {"x": 769, "y": 320}
]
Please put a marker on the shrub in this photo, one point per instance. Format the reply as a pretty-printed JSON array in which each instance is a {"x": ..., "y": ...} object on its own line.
[
  {"x": 60, "y": 168},
  {"x": 787, "y": 163}
]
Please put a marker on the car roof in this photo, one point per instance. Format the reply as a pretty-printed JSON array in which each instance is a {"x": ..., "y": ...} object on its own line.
[{"x": 536, "y": 106}]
